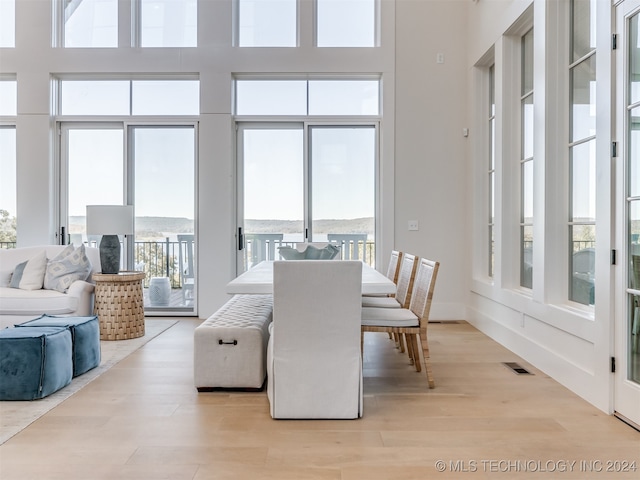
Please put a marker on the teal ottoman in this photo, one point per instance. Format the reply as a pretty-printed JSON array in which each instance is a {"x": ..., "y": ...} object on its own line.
[
  {"x": 34, "y": 362},
  {"x": 85, "y": 338}
]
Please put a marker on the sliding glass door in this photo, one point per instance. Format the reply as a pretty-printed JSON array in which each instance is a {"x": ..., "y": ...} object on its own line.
[
  {"x": 342, "y": 182},
  {"x": 163, "y": 195},
  {"x": 91, "y": 173},
  {"x": 305, "y": 182},
  {"x": 151, "y": 167}
]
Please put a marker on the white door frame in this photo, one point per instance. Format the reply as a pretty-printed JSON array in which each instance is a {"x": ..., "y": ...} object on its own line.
[{"x": 626, "y": 392}]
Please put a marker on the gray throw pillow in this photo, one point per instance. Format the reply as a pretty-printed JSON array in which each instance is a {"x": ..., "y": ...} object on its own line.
[{"x": 62, "y": 272}]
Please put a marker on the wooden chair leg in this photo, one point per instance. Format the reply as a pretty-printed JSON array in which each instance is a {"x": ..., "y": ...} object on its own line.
[
  {"x": 416, "y": 351},
  {"x": 410, "y": 349},
  {"x": 401, "y": 342},
  {"x": 427, "y": 361}
]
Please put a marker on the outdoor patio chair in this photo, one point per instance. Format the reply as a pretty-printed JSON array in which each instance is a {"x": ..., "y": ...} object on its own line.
[{"x": 185, "y": 264}]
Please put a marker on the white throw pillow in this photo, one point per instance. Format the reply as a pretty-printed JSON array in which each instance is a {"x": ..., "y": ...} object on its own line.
[
  {"x": 5, "y": 278},
  {"x": 29, "y": 275},
  {"x": 62, "y": 271}
]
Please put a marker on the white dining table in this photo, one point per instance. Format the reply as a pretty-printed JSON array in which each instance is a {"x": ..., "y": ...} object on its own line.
[{"x": 259, "y": 280}]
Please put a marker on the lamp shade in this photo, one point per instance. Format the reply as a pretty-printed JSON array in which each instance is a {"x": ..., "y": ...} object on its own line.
[{"x": 109, "y": 219}]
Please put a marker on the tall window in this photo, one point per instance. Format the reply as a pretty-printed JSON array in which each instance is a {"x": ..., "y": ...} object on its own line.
[
  {"x": 89, "y": 23},
  {"x": 526, "y": 161},
  {"x": 633, "y": 196},
  {"x": 492, "y": 166},
  {"x": 8, "y": 199},
  {"x": 346, "y": 23},
  {"x": 8, "y": 178},
  {"x": 267, "y": 23},
  {"x": 582, "y": 154},
  {"x": 7, "y": 23}
]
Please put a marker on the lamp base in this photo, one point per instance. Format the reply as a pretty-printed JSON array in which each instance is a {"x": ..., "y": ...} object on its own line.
[{"x": 110, "y": 254}]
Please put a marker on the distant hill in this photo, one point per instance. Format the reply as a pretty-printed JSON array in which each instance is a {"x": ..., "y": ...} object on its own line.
[
  {"x": 151, "y": 227},
  {"x": 146, "y": 227},
  {"x": 355, "y": 225}
]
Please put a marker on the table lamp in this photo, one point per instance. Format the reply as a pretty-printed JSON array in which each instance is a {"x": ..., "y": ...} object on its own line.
[{"x": 110, "y": 221}]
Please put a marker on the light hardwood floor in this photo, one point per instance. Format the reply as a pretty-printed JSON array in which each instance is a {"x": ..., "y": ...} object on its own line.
[{"x": 143, "y": 419}]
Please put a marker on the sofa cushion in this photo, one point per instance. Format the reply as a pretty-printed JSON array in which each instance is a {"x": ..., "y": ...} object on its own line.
[
  {"x": 70, "y": 265},
  {"x": 29, "y": 275},
  {"x": 14, "y": 301}
]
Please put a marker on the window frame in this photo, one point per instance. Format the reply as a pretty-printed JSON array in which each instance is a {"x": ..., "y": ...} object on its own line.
[
  {"x": 526, "y": 159},
  {"x": 573, "y": 144}
]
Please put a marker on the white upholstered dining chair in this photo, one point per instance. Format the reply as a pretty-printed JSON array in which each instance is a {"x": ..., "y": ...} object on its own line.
[{"x": 314, "y": 366}]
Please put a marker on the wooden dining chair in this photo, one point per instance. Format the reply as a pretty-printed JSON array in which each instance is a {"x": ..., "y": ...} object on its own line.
[
  {"x": 404, "y": 284},
  {"x": 393, "y": 269},
  {"x": 411, "y": 322}
]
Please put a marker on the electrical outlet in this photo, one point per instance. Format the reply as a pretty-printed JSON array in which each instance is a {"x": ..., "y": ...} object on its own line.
[
  {"x": 440, "y": 58},
  {"x": 413, "y": 225}
]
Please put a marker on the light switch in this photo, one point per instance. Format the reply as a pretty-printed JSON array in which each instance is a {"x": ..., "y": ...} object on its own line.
[{"x": 413, "y": 225}]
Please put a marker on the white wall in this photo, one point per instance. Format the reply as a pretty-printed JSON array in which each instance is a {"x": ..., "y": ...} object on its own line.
[{"x": 431, "y": 152}]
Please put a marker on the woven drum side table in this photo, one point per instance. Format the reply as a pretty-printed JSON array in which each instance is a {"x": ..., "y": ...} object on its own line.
[{"x": 119, "y": 305}]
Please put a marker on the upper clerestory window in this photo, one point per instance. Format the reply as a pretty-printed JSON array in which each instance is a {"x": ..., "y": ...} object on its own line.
[
  {"x": 307, "y": 97},
  {"x": 89, "y": 23},
  {"x": 347, "y": 23},
  {"x": 267, "y": 23},
  {"x": 7, "y": 23},
  {"x": 156, "y": 23},
  {"x": 129, "y": 97},
  {"x": 168, "y": 23},
  {"x": 8, "y": 96}
]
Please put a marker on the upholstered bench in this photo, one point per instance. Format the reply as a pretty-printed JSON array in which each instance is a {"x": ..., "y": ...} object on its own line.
[
  {"x": 230, "y": 346},
  {"x": 34, "y": 362},
  {"x": 85, "y": 337}
]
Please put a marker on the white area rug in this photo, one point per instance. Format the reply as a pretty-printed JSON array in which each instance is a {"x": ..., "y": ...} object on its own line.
[{"x": 16, "y": 416}]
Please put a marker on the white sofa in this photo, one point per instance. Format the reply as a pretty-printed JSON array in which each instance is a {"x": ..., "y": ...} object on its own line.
[{"x": 18, "y": 305}]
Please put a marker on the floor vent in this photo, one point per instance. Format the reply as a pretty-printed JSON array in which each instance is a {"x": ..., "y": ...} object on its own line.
[{"x": 517, "y": 368}]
